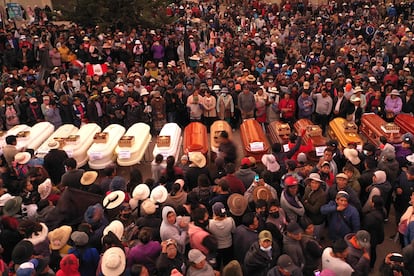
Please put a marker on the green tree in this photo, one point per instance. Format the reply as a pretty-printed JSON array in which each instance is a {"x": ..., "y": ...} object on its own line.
[{"x": 116, "y": 13}]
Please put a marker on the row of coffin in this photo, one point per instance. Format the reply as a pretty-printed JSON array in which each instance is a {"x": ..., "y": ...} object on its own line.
[
  {"x": 100, "y": 148},
  {"x": 255, "y": 143}
]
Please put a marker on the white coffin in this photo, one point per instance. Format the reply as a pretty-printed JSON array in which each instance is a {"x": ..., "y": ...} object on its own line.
[
  {"x": 38, "y": 134},
  {"x": 62, "y": 132},
  {"x": 79, "y": 150},
  {"x": 128, "y": 156},
  {"x": 174, "y": 132},
  {"x": 102, "y": 154},
  {"x": 13, "y": 131}
]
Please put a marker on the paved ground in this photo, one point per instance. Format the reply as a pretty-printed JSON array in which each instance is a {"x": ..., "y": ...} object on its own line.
[{"x": 387, "y": 246}]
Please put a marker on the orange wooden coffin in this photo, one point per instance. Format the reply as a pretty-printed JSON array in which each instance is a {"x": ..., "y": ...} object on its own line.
[
  {"x": 405, "y": 122},
  {"x": 216, "y": 128},
  {"x": 345, "y": 132},
  {"x": 254, "y": 139},
  {"x": 279, "y": 132},
  {"x": 195, "y": 138},
  {"x": 373, "y": 127},
  {"x": 314, "y": 133}
]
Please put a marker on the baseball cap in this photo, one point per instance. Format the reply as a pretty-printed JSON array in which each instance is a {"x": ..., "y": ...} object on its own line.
[{"x": 265, "y": 235}]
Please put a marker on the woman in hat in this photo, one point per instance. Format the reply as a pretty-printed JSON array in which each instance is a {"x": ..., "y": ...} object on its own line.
[
  {"x": 313, "y": 199},
  {"x": 393, "y": 105},
  {"x": 225, "y": 105}
]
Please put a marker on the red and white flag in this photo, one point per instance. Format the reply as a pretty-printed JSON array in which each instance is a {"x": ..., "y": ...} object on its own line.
[
  {"x": 78, "y": 63},
  {"x": 96, "y": 69}
]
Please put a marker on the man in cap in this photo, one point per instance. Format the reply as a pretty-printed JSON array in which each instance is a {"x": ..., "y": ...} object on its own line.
[
  {"x": 262, "y": 255},
  {"x": 343, "y": 218},
  {"x": 292, "y": 245},
  {"x": 341, "y": 184},
  {"x": 245, "y": 235},
  {"x": 285, "y": 267},
  {"x": 358, "y": 251}
]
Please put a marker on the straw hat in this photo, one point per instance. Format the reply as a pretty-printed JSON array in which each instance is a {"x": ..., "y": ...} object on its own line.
[
  {"x": 45, "y": 188},
  {"x": 59, "y": 237},
  {"x": 395, "y": 92},
  {"x": 269, "y": 160},
  {"x": 22, "y": 157},
  {"x": 4, "y": 198},
  {"x": 115, "y": 227},
  {"x": 159, "y": 194},
  {"x": 352, "y": 156},
  {"x": 148, "y": 206},
  {"x": 237, "y": 204},
  {"x": 250, "y": 78},
  {"x": 88, "y": 178},
  {"x": 197, "y": 158},
  {"x": 261, "y": 192},
  {"x": 314, "y": 176},
  {"x": 12, "y": 206},
  {"x": 141, "y": 192},
  {"x": 113, "y": 199},
  {"x": 53, "y": 144},
  {"x": 106, "y": 90},
  {"x": 113, "y": 261}
]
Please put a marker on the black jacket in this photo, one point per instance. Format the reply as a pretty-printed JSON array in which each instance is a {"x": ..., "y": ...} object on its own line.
[{"x": 257, "y": 262}]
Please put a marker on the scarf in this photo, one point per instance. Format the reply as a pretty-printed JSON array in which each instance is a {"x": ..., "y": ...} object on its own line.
[{"x": 291, "y": 199}]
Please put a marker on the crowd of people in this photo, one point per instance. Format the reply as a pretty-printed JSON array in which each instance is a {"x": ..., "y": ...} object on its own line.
[{"x": 281, "y": 215}]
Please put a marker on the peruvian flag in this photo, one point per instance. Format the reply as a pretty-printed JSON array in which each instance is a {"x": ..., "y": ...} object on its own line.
[
  {"x": 77, "y": 63},
  {"x": 96, "y": 69}
]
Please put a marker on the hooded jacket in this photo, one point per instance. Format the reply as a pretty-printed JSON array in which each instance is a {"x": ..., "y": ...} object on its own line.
[
  {"x": 69, "y": 266},
  {"x": 354, "y": 257},
  {"x": 172, "y": 231}
]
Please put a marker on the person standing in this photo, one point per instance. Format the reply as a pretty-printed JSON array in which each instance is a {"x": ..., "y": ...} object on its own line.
[
  {"x": 10, "y": 113},
  {"x": 262, "y": 255},
  {"x": 209, "y": 109},
  {"x": 195, "y": 103},
  {"x": 246, "y": 103},
  {"x": 343, "y": 218},
  {"x": 287, "y": 107},
  {"x": 323, "y": 108},
  {"x": 159, "y": 116},
  {"x": 54, "y": 162},
  {"x": 334, "y": 259},
  {"x": 225, "y": 105}
]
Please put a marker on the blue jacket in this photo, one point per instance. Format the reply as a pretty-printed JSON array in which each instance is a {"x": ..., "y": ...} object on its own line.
[{"x": 341, "y": 222}]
